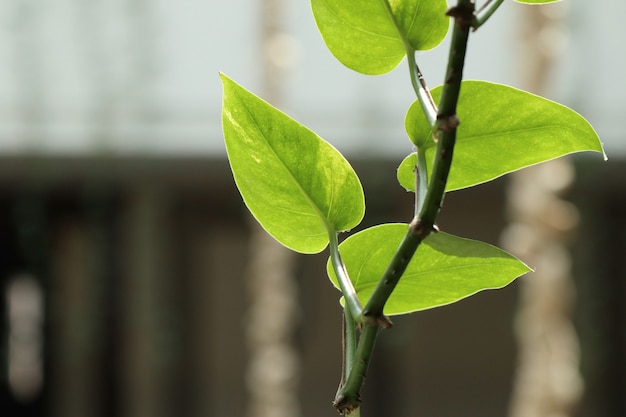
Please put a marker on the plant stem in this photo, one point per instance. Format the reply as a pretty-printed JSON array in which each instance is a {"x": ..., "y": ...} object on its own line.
[
  {"x": 421, "y": 226},
  {"x": 348, "y": 345},
  {"x": 447, "y": 120},
  {"x": 350, "y": 342},
  {"x": 484, "y": 13},
  {"x": 348, "y": 399},
  {"x": 373, "y": 310},
  {"x": 353, "y": 305}
]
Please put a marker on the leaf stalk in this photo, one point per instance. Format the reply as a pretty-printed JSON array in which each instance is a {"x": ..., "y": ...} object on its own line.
[
  {"x": 417, "y": 79},
  {"x": 345, "y": 284},
  {"x": 484, "y": 13},
  {"x": 421, "y": 89}
]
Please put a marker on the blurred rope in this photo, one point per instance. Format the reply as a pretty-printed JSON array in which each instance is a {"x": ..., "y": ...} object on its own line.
[
  {"x": 547, "y": 382},
  {"x": 273, "y": 367}
]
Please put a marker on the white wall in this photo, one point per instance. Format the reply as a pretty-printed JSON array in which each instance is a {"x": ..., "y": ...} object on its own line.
[{"x": 141, "y": 76}]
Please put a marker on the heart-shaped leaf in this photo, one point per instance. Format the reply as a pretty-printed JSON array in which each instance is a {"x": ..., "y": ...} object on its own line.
[
  {"x": 445, "y": 268},
  {"x": 502, "y": 129},
  {"x": 363, "y": 36},
  {"x": 295, "y": 184}
]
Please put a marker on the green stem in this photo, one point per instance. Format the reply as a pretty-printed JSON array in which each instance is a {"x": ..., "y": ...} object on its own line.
[
  {"x": 350, "y": 342},
  {"x": 447, "y": 120},
  {"x": 353, "y": 305},
  {"x": 348, "y": 398},
  {"x": 348, "y": 345},
  {"x": 463, "y": 13},
  {"x": 485, "y": 12},
  {"x": 373, "y": 310}
]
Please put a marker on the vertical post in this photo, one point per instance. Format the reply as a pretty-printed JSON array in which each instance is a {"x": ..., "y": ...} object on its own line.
[
  {"x": 76, "y": 383},
  {"x": 547, "y": 382},
  {"x": 273, "y": 361},
  {"x": 30, "y": 204},
  {"x": 147, "y": 334}
]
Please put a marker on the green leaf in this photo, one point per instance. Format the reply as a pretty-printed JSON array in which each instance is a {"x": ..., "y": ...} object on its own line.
[
  {"x": 295, "y": 184},
  {"x": 423, "y": 24},
  {"x": 406, "y": 172},
  {"x": 363, "y": 37},
  {"x": 502, "y": 129},
  {"x": 445, "y": 268}
]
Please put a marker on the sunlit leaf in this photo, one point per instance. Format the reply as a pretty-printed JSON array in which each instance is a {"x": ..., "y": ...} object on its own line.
[
  {"x": 502, "y": 129},
  {"x": 445, "y": 268},
  {"x": 362, "y": 36},
  {"x": 295, "y": 184},
  {"x": 406, "y": 172}
]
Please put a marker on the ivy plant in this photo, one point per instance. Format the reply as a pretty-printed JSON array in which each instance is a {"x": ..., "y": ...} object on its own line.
[{"x": 304, "y": 193}]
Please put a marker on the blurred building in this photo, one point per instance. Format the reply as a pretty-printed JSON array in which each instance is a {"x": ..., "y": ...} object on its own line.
[{"x": 123, "y": 240}]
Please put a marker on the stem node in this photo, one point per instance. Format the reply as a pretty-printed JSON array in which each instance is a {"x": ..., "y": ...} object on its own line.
[
  {"x": 463, "y": 14},
  {"x": 420, "y": 229},
  {"x": 345, "y": 404},
  {"x": 381, "y": 320},
  {"x": 447, "y": 123}
]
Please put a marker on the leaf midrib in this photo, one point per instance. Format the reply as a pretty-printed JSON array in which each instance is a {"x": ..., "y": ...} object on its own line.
[
  {"x": 429, "y": 272},
  {"x": 312, "y": 203}
]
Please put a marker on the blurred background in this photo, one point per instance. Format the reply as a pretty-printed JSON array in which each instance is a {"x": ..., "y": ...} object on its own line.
[{"x": 136, "y": 285}]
